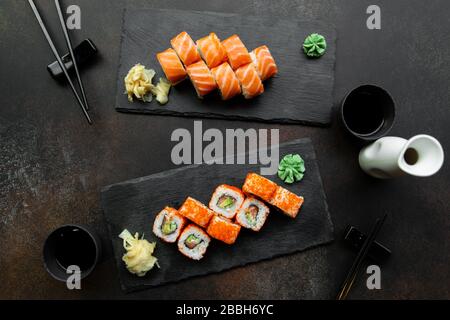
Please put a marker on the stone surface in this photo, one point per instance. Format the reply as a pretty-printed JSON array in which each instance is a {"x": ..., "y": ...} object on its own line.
[
  {"x": 53, "y": 165},
  {"x": 134, "y": 205},
  {"x": 301, "y": 93}
]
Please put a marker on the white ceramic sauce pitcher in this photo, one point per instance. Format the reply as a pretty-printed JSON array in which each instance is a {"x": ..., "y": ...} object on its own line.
[{"x": 389, "y": 157}]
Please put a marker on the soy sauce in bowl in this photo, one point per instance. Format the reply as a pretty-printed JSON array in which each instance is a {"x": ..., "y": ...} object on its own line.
[
  {"x": 368, "y": 112},
  {"x": 75, "y": 246},
  {"x": 71, "y": 245}
]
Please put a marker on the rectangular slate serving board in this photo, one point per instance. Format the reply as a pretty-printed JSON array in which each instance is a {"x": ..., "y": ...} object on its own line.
[
  {"x": 302, "y": 93},
  {"x": 134, "y": 204}
]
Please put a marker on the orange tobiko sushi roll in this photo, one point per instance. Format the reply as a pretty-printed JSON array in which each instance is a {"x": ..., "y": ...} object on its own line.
[
  {"x": 172, "y": 66},
  {"x": 250, "y": 82},
  {"x": 226, "y": 80},
  {"x": 201, "y": 78},
  {"x": 236, "y": 51},
  {"x": 264, "y": 62},
  {"x": 223, "y": 229},
  {"x": 211, "y": 50},
  {"x": 196, "y": 211},
  {"x": 185, "y": 48},
  {"x": 289, "y": 203},
  {"x": 259, "y": 186}
]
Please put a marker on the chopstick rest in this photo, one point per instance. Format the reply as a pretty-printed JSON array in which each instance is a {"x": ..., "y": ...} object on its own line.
[
  {"x": 378, "y": 252},
  {"x": 84, "y": 53}
]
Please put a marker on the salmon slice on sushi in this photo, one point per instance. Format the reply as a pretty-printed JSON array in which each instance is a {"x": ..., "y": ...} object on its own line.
[
  {"x": 172, "y": 66},
  {"x": 226, "y": 80},
  {"x": 236, "y": 51},
  {"x": 201, "y": 78},
  {"x": 259, "y": 186},
  {"x": 264, "y": 62},
  {"x": 226, "y": 200},
  {"x": 193, "y": 242},
  {"x": 251, "y": 84},
  {"x": 223, "y": 230},
  {"x": 289, "y": 203},
  {"x": 196, "y": 211},
  {"x": 168, "y": 224},
  {"x": 211, "y": 50},
  {"x": 252, "y": 214},
  {"x": 185, "y": 48}
]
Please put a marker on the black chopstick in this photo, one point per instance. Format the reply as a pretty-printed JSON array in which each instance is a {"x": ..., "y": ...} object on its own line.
[
  {"x": 356, "y": 266},
  {"x": 69, "y": 46},
  {"x": 58, "y": 58}
]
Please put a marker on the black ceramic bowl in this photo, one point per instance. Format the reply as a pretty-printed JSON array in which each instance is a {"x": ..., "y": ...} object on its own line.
[
  {"x": 368, "y": 112},
  {"x": 87, "y": 249}
]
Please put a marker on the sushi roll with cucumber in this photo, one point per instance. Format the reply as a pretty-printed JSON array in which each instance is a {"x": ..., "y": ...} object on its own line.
[
  {"x": 193, "y": 242},
  {"x": 168, "y": 225},
  {"x": 226, "y": 201},
  {"x": 252, "y": 214},
  {"x": 223, "y": 229}
]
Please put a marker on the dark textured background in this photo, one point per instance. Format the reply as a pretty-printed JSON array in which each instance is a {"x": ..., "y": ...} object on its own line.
[{"x": 53, "y": 165}]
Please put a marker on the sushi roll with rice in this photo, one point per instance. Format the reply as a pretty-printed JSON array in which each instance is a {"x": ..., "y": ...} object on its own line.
[
  {"x": 289, "y": 203},
  {"x": 223, "y": 230},
  {"x": 264, "y": 62},
  {"x": 168, "y": 224},
  {"x": 196, "y": 211},
  {"x": 259, "y": 186},
  {"x": 193, "y": 242},
  {"x": 251, "y": 84},
  {"x": 185, "y": 48},
  {"x": 171, "y": 66},
  {"x": 236, "y": 51},
  {"x": 226, "y": 201},
  {"x": 211, "y": 50},
  {"x": 201, "y": 78},
  {"x": 252, "y": 214},
  {"x": 226, "y": 80}
]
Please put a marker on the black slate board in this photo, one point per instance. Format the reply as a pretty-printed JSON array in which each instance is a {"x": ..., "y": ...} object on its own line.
[
  {"x": 134, "y": 204},
  {"x": 302, "y": 93}
]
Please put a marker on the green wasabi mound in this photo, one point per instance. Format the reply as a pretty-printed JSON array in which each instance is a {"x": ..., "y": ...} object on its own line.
[
  {"x": 314, "y": 45},
  {"x": 291, "y": 168}
]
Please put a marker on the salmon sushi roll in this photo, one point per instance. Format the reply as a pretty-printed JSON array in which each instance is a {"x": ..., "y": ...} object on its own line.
[
  {"x": 236, "y": 51},
  {"x": 289, "y": 203},
  {"x": 226, "y": 200},
  {"x": 226, "y": 80},
  {"x": 223, "y": 230},
  {"x": 259, "y": 186},
  {"x": 252, "y": 214},
  {"x": 250, "y": 82},
  {"x": 211, "y": 50},
  {"x": 196, "y": 211},
  {"x": 193, "y": 242},
  {"x": 168, "y": 224},
  {"x": 185, "y": 48},
  {"x": 201, "y": 78},
  {"x": 172, "y": 66},
  {"x": 264, "y": 62}
]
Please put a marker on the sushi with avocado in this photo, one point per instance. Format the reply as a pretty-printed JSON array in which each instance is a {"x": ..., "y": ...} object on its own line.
[
  {"x": 168, "y": 224},
  {"x": 252, "y": 214},
  {"x": 226, "y": 200},
  {"x": 193, "y": 242}
]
